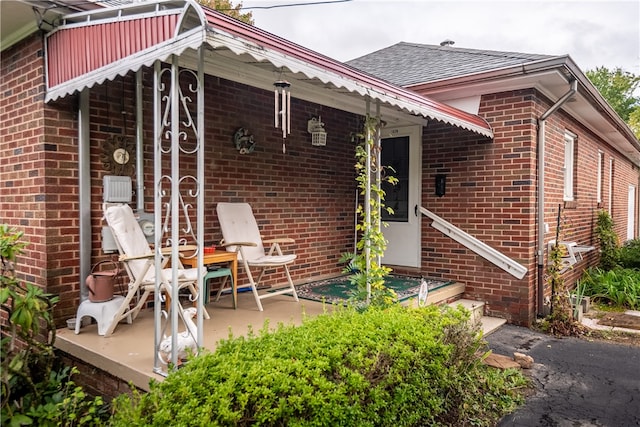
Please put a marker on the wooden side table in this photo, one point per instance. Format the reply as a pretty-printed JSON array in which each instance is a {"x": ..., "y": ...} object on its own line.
[{"x": 218, "y": 257}]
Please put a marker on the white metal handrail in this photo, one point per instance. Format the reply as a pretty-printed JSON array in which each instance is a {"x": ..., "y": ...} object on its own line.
[{"x": 485, "y": 251}]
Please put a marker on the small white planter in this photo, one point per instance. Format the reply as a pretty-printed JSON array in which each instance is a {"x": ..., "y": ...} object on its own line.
[{"x": 71, "y": 323}]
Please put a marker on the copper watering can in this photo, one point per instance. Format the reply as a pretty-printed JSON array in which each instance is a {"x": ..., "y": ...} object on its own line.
[{"x": 101, "y": 283}]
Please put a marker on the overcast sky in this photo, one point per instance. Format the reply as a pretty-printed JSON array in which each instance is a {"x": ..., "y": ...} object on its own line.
[{"x": 593, "y": 33}]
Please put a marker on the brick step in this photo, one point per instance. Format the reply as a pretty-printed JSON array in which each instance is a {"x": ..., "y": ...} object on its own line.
[
  {"x": 441, "y": 295},
  {"x": 446, "y": 293},
  {"x": 476, "y": 308},
  {"x": 488, "y": 324},
  {"x": 452, "y": 295}
]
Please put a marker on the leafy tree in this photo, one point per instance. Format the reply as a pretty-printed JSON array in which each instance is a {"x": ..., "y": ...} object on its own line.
[
  {"x": 634, "y": 122},
  {"x": 226, "y": 7},
  {"x": 618, "y": 87}
]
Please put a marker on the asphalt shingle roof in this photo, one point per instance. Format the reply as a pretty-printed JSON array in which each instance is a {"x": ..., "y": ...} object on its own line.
[{"x": 406, "y": 64}]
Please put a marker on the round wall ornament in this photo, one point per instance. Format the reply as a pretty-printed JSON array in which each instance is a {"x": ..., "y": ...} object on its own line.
[
  {"x": 243, "y": 141},
  {"x": 118, "y": 155}
]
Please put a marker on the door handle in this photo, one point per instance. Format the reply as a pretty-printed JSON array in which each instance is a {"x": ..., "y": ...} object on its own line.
[{"x": 415, "y": 210}]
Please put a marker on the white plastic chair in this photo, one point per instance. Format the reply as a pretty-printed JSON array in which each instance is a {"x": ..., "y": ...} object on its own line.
[
  {"x": 571, "y": 252},
  {"x": 241, "y": 234},
  {"x": 139, "y": 262}
]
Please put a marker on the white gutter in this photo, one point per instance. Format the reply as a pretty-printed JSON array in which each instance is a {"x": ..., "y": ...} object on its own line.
[
  {"x": 567, "y": 67},
  {"x": 485, "y": 251},
  {"x": 541, "y": 184}
]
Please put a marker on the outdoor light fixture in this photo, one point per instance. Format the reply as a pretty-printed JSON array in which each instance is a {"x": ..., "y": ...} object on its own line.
[
  {"x": 318, "y": 135},
  {"x": 441, "y": 185},
  {"x": 282, "y": 108}
]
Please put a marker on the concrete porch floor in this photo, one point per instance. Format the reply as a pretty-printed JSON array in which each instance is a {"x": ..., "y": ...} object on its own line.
[{"x": 128, "y": 353}]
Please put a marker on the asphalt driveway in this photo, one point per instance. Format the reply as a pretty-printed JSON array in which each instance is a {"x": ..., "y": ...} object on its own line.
[{"x": 578, "y": 382}]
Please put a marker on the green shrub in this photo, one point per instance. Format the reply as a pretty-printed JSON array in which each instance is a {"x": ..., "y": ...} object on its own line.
[
  {"x": 36, "y": 390},
  {"x": 391, "y": 367},
  {"x": 629, "y": 255},
  {"x": 620, "y": 286},
  {"x": 608, "y": 240}
]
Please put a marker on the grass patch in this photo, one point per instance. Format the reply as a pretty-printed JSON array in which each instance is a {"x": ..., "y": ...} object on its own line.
[
  {"x": 396, "y": 366},
  {"x": 618, "y": 287},
  {"x": 608, "y": 307}
]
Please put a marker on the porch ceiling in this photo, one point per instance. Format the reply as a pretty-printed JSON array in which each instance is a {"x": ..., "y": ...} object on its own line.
[{"x": 233, "y": 50}]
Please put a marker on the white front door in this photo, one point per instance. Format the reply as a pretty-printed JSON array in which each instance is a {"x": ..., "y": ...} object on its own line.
[
  {"x": 631, "y": 215},
  {"x": 401, "y": 150}
]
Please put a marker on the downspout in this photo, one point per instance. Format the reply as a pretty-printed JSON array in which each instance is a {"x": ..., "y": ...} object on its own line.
[
  {"x": 84, "y": 190},
  {"x": 139, "y": 156},
  {"x": 541, "y": 184}
]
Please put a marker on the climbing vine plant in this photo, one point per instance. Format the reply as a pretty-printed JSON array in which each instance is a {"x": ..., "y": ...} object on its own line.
[
  {"x": 562, "y": 319},
  {"x": 368, "y": 275}
]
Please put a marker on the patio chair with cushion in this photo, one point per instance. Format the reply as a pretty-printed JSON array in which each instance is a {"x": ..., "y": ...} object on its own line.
[
  {"x": 139, "y": 262},
  {"x": 241, "y": 234},
  {"x": 570, "y": 253}
]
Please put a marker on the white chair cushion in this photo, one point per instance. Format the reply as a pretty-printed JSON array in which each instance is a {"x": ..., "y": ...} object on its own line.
[
  {"x": 239, "y": 225},
  {"x": 128, "y": 233},
  {"x": 275, "y": 259}
]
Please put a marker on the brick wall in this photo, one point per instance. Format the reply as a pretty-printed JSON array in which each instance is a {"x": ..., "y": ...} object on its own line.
[
  {"x": 94, "y": 381},
  {"x": 305, "y": 193},
  {"x": 578, "y": 217},
  {"x": 38, "y": 173},
  {"x": 624, "y": 175},
  {"x": 490, "y": 195}
]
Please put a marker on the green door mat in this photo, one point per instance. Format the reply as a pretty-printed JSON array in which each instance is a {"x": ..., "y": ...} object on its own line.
[{"x": 340, "y": 289}]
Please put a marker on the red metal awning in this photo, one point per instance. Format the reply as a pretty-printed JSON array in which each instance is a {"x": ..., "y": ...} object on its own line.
[{"x": 91, "y": 47}]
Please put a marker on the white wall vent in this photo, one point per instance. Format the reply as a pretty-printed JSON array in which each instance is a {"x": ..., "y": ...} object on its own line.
[{"x": 117, "y": 189}]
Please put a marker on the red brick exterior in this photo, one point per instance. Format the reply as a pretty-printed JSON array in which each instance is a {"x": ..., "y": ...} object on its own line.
[
  {"x": 39, "y": 173},
  {"x": 308, "y": 192},
  {"x": 492, "y": 194},
  {"x": 305, "y": 193},
  {"x": 95, "y": 381}
]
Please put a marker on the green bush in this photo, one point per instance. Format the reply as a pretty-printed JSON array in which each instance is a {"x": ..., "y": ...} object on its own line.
[
  {"x": 36, "y": 390},
  {"x": 629, "y": 254},
  {"x": 397, "y": 366},
  {"x": 608, "y": 240},
  {"x": 619, "y": 287}
]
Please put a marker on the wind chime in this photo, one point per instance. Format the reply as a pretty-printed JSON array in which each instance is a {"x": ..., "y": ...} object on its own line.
[{"x": 282, "y": 108}]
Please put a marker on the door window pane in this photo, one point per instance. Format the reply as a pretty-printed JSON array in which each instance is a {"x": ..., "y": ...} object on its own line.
[{"x": 395, "y": 154}]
